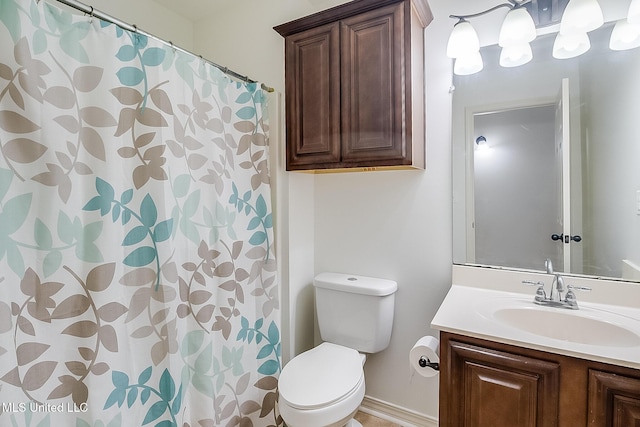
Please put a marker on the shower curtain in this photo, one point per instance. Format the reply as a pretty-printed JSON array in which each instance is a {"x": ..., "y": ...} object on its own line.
[{"x": 137, "y": 274}]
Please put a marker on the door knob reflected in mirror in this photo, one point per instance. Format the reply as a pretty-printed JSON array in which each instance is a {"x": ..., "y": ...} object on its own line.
[{"x": 567, "y": 239}]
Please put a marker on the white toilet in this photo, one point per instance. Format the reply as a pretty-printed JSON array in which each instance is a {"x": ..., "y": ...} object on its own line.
[{"x": 324, "y": 387}]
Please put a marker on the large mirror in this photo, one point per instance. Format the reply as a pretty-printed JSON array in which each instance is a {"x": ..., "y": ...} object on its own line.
[{"x": 559, "y": 174}]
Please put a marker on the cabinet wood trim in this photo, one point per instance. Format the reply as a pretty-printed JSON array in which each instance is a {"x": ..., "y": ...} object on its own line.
[
  {"x": 347, "y": 10},
  {"x": 614, "y": 400}
]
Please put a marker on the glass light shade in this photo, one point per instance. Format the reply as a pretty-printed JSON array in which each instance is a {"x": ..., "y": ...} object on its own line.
[
  {"x": 514, "y": 56},
  {"x": 570, "y": 46},
  {"x": 463, "y": 40},
  {"x": 469, "y": 64},
  {"x": 625, "y": 36},
  {"x": 517, "y": 28},
  {"x": 634, "y": 12},
  {"x": 581, "y": 16}
]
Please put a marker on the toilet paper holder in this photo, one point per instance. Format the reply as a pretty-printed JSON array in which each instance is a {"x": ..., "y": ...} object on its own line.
[{"x": 424, "y": 362}]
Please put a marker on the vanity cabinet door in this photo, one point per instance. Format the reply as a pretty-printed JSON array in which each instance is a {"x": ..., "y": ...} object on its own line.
[
  {"x": 482, "y": 387},
  {"x": 614, "y": 400}
]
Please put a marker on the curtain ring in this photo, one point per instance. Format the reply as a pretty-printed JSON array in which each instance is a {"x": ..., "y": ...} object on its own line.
[
  {"x": 173, "y": 48},
  {"x": 91, "y": 15}
]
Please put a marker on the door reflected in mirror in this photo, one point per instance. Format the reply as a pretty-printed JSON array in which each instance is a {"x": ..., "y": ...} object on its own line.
[{"x": 513, "y": 178}]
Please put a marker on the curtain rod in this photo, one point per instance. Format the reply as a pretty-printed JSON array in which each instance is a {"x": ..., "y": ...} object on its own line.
[{"x": 89, "y": 10}]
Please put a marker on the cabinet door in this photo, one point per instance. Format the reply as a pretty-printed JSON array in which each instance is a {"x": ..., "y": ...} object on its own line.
[
  {"x": 373, "y": 85},
  {"x": 614, "y": 400},
  {"x": 312, "y": 64},
  {"x": 482, "y": 387}
]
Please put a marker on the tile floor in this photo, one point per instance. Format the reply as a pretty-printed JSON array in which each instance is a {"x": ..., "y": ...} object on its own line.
[{"x": 370, "y": 421}]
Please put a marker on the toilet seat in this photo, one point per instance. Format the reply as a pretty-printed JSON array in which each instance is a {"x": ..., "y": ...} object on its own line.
[{"x": 321, "y": 376}]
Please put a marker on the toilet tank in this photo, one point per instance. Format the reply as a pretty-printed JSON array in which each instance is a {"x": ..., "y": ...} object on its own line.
[{"x": 355, "y": 311}]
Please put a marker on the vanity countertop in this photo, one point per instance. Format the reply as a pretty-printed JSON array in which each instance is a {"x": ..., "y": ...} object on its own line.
[{"x": 603, "y": 332}]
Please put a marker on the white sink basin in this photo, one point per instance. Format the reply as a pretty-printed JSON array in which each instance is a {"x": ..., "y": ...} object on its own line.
[
  {"x": 603, "y": 332},
  {"x": 601, "y": 328}
]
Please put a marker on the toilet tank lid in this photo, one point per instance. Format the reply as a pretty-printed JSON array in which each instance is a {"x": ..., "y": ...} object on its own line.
[{"x": 355, "y": 284}]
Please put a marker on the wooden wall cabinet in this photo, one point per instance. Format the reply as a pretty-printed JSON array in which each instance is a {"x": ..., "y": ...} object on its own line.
[
  {"x": 488, "y": 384},
  {"x": 354, "y": 78}
]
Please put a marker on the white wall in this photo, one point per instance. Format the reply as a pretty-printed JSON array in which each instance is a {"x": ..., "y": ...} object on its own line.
[{"x": 150, "y": 17}]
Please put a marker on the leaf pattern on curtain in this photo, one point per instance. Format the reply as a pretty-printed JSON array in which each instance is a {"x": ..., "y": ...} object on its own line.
[{"x": 138, "y": 283}]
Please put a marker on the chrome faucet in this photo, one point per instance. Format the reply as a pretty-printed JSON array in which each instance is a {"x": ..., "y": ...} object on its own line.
[{"x": 558, "y": 285}]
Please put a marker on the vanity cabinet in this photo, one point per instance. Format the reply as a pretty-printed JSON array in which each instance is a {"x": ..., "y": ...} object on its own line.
[
  {"x": 489, "y": 384},
  {"x": 354, "y": 81}
]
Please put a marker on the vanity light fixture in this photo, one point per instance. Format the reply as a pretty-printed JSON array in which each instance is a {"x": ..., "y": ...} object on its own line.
[
  {"x": 625, "y": 36},
  {"x": 581, "y": 16},
  {"x": 514, "y": 56},
  {"x": 518, "y": 30},
  {"x": 568, "y": 46},
  {"x": 626, "y": 33},
  {"x": 578, "y": 18},
  {"x": 463, "y": 40},
  {"x": 468, "y": 64}
]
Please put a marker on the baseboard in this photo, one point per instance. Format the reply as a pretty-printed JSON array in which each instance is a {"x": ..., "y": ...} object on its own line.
[{"x": 396, "y": 414}]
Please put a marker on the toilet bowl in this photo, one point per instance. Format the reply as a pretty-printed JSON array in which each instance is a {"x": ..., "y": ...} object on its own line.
[{"x": 322, "y": 387}]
